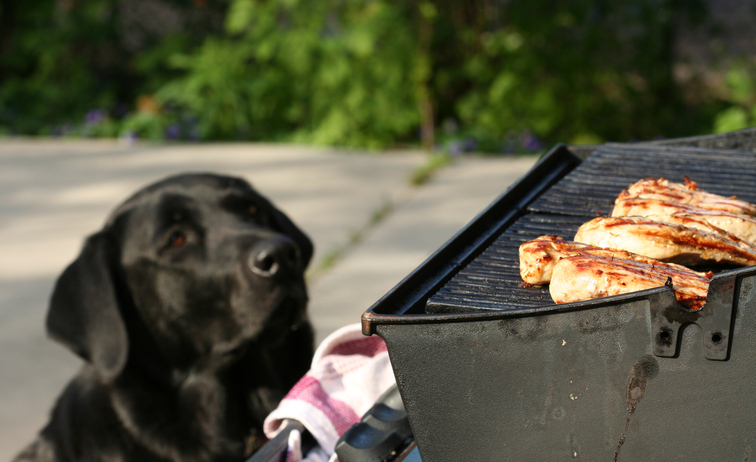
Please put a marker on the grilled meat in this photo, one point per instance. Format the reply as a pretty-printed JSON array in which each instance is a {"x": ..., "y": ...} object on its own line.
[
  {"x": 669, "y": 242},
  {"x": 539, "y": 256},
  {"x": 653, "y": 220},
  {"x": 578, "y": 271},
  {"x": 688, "y": 193},
  {"x": 583, "y": 277},
  {"x": 739, "y": 225}
]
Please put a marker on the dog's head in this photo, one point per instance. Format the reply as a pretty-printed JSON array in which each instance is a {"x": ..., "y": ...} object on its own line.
[{"x": 193, "y": 268}]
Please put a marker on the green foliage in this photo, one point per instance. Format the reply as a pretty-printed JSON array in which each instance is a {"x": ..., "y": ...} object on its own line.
[
  {"x": 424, "y": 173},
  {"x": 360, "y": 73},
  {"x": 60, "y": 60},
  {"x": 741, "y": 99},
  {"x": 327, "y": 76},
  {"x": 500, "y": 76},
  {"x": 576, "y": 70},
  {"x": 46, "y": 74}
]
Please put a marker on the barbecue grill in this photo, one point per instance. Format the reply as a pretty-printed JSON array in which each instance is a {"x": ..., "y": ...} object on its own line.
[{"x": 489, "y": 369}]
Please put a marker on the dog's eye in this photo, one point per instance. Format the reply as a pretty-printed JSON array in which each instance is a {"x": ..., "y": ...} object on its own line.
[
  {"x": 251, "y": 210},
  {"x": 176, "y": 239}
]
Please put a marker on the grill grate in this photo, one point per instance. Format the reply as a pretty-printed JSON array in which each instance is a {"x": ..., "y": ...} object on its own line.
[
  {"x": 492, "y": 280},
  {"x": 591, "y": 188}
]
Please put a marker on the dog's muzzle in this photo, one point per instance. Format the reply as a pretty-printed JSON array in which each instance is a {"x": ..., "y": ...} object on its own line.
[{"x": 277, "y": 256}]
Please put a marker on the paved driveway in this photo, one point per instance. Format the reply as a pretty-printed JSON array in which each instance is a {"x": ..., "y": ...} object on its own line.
[{"x": 54, "y": 193}]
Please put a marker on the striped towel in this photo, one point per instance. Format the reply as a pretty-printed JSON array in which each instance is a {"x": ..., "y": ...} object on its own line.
[{"x": 349, "y": 373}]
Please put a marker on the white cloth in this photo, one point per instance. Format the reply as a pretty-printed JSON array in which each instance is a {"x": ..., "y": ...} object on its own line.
[{"x": 349, "y": 373}]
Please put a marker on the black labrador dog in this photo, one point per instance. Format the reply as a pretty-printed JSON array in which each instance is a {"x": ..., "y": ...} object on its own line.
[{"x": 189, "y": 309}]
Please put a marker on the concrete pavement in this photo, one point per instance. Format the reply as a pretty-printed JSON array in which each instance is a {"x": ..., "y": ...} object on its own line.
[
  {"x": 421, "y": 222},
  {"x": 53, "y": 193}
]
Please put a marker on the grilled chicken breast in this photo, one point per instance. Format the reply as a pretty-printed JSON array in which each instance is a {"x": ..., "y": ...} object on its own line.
[
  {"x": 539, "y": 256},
  {"x": 669, "y": 242},
  {"x": 688, "y": 193},
  {"x": 653, "y": 220},
  {"x": 739, "y": 225},
  {"x": 584, "y": 277}
]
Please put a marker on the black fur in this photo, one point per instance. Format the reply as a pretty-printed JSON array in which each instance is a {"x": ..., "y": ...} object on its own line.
[{"x": 189, "y": 308}]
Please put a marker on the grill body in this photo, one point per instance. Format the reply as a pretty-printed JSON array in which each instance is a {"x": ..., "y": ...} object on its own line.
[{"x": 490, "y": 370}]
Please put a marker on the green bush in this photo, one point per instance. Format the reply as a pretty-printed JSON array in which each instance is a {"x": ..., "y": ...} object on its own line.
[
  {"x": 740, "y": 99},
  {"x": 45, "y": 71},
  {"x": 576, "y": 71},
  {"x": 500, "y": 76},
  {"x": 65, "y": 68},
  {"x": 374, "y": 73},
  {"x": 302, "y": 70}
]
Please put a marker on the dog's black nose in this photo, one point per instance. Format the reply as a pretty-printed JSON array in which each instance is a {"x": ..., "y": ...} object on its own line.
[{"x": 278, "y": 255}]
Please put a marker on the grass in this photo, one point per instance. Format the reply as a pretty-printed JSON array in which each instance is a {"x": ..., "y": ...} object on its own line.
[
  {"x": 426, "y": 171},
  {"x": 355, "y": 237}
]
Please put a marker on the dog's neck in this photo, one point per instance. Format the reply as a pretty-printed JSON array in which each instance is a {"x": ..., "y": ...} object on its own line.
[
  {"x": 157, "y": 372},
  {"x": 145, "y": 359},
  {"x": 196, "y": 405}
]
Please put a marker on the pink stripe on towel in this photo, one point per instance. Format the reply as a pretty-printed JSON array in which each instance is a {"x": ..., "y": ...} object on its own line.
[
  {"x": 341, "y": 415},
  {"x": 370, "y": 347}
]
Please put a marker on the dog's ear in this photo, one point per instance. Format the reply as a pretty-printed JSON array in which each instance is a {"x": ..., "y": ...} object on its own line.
[
  {"x": 281, "y": 223},
  {"x": 84, "y": 313}
]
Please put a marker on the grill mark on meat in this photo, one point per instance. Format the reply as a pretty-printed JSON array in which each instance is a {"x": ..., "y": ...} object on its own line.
[
  {"x": 686, "y": 237},
  {"x": 666, "y": 241},
  {"x": 581, "y": 277},
  {"x": 538, "y": 257},
  {"x": 739, "y": 225},
  {"x": 607, "y": 271},
  {"x": 688, "y": 193}
]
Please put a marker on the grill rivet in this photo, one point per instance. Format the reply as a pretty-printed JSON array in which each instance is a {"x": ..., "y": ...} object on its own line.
[{"x": 665, "y": 336}]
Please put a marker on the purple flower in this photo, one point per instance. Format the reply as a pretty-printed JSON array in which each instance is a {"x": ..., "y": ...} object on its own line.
[
  {"x": 95, "y": 116},
  {"x": 531, "y": 143},
  {"x": 129, "y": 137},
  {"x": 455, "y": 148},
  {"x": 191, "y": 127},
  {"x": 173, "y": 132},
  {"x": 469, "y": 144}
]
